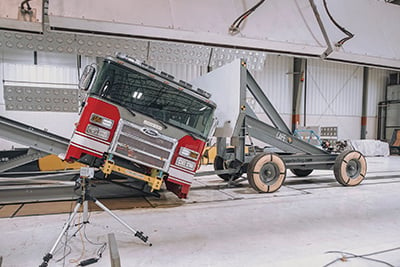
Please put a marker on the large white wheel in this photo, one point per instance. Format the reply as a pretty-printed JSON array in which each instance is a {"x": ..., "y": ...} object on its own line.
[
  {"x": 266, "y": 172},
  {"x": 350, "y": 168}
]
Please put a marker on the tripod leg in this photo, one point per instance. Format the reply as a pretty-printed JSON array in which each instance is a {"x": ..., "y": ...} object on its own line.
[
  {"x": 49, "y": 255},
  {"x": 138, "y": 234}
]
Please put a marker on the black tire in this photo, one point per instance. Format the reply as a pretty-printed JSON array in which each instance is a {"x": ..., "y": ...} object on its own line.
[
  {"x": 350, "y": 168},
  {"x": 220, "y": 164},
  {"x": 266, "y": 172},
  {"x": 301, "y": 172}
]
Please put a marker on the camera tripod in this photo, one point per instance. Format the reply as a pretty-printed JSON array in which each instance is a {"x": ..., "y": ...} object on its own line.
[{"x": 85, "y": 175}]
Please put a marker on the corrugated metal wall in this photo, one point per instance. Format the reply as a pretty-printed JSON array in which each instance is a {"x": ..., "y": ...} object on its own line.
[
  {"x": 333, "y": 89},
  {"x": 17, "y": 67},
  {"x": 180, "y": 71},
  {"x": 276, "y": 82},
  {"x": 35, "y": 73},
  {"x": 333, "y": 94},
  {"x": 377, "y": 82},
  {"x": 334, "y": 97}
]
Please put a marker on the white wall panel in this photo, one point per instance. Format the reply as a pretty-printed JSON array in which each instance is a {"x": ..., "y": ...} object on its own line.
[
  {"x": 20, "y": 68},
  {"x": 333, "y": 89},
  {"x": 377, "y": 81},
  {"x": 35, "y": 73},
  {"x": 276, "y": 82},
  {"x": 179, "y": 71},
  {"x": 334, "y": 97},
  {"x": 349, "y": 127}
]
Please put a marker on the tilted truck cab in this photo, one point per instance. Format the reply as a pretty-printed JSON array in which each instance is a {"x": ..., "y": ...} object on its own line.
[{"x": 142, "y": 123}]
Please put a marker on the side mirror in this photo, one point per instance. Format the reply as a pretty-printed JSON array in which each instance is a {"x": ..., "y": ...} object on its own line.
[
  {"x": 213, "y": 128},
  {"x": 86, "y": 77}
]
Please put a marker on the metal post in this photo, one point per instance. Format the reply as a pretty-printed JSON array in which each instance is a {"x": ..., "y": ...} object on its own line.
[
  {"x": 241, "y": 135},
  {"x": 364, "y": 103},
  {"x": 329, "y": 49},
  {"x": 305, "y": 95},
  {"x": 298, "y": 79}
]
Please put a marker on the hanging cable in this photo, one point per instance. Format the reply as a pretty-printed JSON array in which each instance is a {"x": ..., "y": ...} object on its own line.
[
  {"x": 234, "y": 28},
  {"x": 349, "y": 34}
]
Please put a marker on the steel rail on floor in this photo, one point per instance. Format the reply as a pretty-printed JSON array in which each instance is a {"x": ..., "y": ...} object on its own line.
[{"x": 39, "y": 141}]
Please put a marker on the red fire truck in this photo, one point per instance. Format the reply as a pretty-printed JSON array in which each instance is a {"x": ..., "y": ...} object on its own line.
[{"x": 142, "y": 123}]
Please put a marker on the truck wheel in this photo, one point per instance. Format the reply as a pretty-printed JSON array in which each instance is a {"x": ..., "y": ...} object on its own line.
[
  {"x": 301, "y": 172},
  {"x": 220, "y": 164},
  {"x": 266, "y": 172},
  {"x": 350, "y": 168}
]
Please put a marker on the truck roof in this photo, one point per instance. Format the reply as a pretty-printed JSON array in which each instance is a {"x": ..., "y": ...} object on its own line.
[{"x": 187, "y": 87}]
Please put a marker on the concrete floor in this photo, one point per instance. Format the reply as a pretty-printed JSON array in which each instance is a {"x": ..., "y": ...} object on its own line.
[{"x": 297, "y": 226}]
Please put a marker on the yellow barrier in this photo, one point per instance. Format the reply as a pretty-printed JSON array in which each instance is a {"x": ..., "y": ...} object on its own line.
[{"x": 54, "y": 163}]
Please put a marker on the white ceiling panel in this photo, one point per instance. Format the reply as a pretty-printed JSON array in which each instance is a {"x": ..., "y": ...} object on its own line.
[{"x": 281, "y": 26}]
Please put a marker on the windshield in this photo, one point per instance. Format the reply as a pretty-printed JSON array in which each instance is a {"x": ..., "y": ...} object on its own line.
[{"x": 140, "y": 93}]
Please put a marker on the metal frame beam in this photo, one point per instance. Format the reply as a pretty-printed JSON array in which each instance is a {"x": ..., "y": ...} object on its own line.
[
  {"x": 364, "y": 112},
  {"x": 265, "y": 104},
  {"x": 30, "y": 156},
  {"x": 298, "y": 78},
  {"x": 279, "y": 139},
  {"x": 296, "y": 152},
  {"x": 32, "y": 137}
]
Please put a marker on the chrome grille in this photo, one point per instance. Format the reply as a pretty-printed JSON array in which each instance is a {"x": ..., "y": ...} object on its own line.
[
  {"x": 143, "y": 145},
  {"x": 133, "y": 131}
]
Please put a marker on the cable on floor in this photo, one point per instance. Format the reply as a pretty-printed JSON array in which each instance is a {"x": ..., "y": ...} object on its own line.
[{"x": 347, "y": 255}]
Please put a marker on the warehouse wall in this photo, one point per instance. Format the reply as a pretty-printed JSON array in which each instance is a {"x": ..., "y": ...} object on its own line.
[
  {"x": 184, "y": 72},
  {"x": 334, "y": 97},
  {"x": 17, "y": 66},
  {"x": 333, "y": 90},
  {"x": 377, "y": 82},
  {"x": 277, "y": 83},
  {"x": 273, "y": 78}
]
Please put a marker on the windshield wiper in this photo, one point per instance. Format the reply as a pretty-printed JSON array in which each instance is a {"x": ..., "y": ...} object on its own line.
[
  {"x": 120, "y": 104},
  {"x": 160, "y": 121},
  {"x": 130, "y": 111}
]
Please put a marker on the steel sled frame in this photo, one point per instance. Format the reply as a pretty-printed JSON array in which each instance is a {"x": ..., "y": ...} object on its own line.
[{"x": 267, "y": 171}]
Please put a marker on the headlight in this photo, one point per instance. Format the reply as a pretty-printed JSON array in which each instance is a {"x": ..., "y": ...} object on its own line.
[
  {"x": 97, "y": 131},
  {"x": 184, "y": 163},
  {"x": 102, "y": 121},
  {"x": 188, "y": 153}
]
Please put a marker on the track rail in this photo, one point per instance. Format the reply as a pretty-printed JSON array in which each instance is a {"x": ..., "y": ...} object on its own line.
[{"x": 32, "y": 137}]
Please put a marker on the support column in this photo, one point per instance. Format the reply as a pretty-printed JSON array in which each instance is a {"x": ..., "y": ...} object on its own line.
[
  {"x": 298, "y": 79},
  {"x": 364, "y": 111}
]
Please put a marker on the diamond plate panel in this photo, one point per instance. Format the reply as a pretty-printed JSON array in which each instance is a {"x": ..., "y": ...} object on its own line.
[
  {"x": 29, "y": 98},
  {"x": 179, "y": 53},
  {"x": 221, "y": 56},
  {"x": 153, "y": 51},
  {"x": 86, "y": 45}
]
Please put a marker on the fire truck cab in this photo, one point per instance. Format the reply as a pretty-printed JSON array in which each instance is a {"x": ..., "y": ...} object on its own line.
[{"x": 142, "y": 123}]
